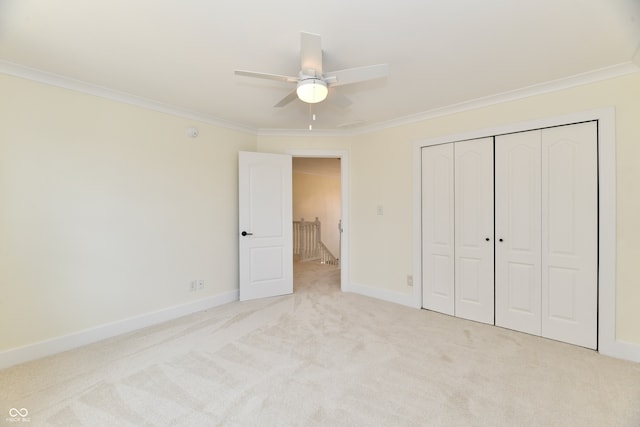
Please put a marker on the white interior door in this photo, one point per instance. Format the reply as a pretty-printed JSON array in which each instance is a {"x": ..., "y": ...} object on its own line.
[
  {"x": 518, "y": 228},
  {"x": 570, "y": 234},
  {"x": 265, "y": 234},
  {"x": 474, "y": 293},
  {"x": 438, "y": 267}
]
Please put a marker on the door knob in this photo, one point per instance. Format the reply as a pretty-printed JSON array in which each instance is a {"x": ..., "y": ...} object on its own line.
[
  {"x": 487, "y": 239},
  {"x": 244, "y": 233},
  {"x": 501, "y": 240}
]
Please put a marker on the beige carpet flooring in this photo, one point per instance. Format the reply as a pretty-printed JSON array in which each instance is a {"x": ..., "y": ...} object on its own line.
[{"x": 320, "y": 357}]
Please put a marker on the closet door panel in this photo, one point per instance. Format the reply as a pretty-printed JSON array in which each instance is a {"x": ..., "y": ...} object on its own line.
[
  {"x": 569, "y": 234},
  {"x": 518, "y": 228},
  {"x": 474, "y": 293},
  {"x": 438, "y": 228}
]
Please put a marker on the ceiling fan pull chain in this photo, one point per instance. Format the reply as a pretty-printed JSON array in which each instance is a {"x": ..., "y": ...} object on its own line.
[{"x": 313, "y": 116}]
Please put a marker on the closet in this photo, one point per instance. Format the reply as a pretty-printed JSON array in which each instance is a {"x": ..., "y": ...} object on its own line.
[{"x": 510, "y": 227}]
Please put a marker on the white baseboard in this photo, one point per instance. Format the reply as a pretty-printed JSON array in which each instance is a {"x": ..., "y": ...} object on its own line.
[
  {"x": 621, "y": 350},
  {"x": 618, "y": 349},
  {"x": 51, "y": 346},
  {"x": 382, "y": 294}
]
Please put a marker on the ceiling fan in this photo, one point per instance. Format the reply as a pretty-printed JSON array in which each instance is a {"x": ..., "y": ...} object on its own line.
[{"x": 312, "y": 83}]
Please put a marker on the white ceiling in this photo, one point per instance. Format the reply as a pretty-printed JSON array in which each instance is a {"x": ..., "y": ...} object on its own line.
[{"x": 182, "y": 53}]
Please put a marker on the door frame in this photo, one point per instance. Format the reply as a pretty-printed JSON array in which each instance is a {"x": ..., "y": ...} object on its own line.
[
  {"x": 344, "y": 203},
  {"x": 607, "y": 341}
]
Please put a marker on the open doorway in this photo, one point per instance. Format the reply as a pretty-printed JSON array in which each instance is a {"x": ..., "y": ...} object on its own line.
[{"x": 318, "y": 211}]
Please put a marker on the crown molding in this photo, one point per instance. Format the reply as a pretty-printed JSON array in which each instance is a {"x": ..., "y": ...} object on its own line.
[
  {"x": 525, "y": 92},
  {"x": 57, "y": 80},
  {"x": 52, "y": 79}
]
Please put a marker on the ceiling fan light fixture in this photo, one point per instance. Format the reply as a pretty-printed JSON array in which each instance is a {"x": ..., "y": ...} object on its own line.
[{"x": 312, "y": 91}]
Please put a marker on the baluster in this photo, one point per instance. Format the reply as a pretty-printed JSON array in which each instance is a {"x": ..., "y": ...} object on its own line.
[
  {"x": 303, "y": 239},
  {"x": 316, "y": 237},
  {"x": 309, "y": 240},
  {"x": 306, "y": 241}
]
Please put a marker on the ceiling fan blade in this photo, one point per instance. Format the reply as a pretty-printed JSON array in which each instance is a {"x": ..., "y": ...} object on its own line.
[
  {"x": 267, "y": 76},
  {"x": 355, "y": 75},
  {"x": 311, "y": 53},
  {"x": 287, "y": 99}
]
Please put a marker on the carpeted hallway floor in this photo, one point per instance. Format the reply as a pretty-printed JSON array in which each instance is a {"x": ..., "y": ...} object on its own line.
[{"x": 320, "y": 357}]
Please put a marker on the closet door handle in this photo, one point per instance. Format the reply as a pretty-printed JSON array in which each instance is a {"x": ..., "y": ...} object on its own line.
[
  {"x": 487, "y": 239},
  {"x": 501, "y": 240}
]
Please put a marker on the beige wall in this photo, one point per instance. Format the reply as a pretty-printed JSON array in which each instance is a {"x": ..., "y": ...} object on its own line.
[
  {"x": 313, "y": 142},
  {"x": 381, "y": 174},
  {"x": 107, "y": 211}
]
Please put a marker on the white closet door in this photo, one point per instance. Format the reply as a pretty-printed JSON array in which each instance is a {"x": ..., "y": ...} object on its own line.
[
  {"x": 518, "y": 223},
  {"x": 474, "y": 230},
  {"x": 570, "y": 234},
  {"x": 437, "y": 228}
]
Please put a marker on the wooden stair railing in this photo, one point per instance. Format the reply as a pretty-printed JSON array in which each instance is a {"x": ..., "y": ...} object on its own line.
[{"x": 308, "y": 245}]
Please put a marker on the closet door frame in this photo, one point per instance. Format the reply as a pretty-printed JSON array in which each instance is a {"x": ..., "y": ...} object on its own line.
[{"x": 607, "y": 342}]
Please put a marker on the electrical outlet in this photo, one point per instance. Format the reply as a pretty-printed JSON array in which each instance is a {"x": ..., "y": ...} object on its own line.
[
  {"x": 200, "y": 284},
  {"x": 409, "y": 280}
]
